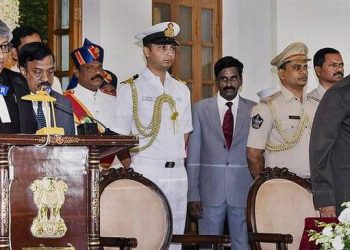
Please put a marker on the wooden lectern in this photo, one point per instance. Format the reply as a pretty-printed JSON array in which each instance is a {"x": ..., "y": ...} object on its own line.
[{"x": 49, "y": 196}]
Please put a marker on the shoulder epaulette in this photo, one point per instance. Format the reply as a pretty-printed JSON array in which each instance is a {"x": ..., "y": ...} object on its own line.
[
  {"x": 270, "y": 97},
  {"x": 313, "y": 98},
  {"x": 182, "y": 81},
  {"x": 131, "y": 79},
  {"x": 68, "y": 92}
]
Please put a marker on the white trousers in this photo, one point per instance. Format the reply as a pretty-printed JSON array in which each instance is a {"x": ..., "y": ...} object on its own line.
[{"x": 173, "y": 182}]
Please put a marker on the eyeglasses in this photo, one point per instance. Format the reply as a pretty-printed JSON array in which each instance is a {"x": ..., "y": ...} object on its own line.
[
  {"x": 5, "y": 48},
  {"x": 40, "y": 72},
  {"x": 91, "y": 67},
  {"x": 226, "y": 80}
]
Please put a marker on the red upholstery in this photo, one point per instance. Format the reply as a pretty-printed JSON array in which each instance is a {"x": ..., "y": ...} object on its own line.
[{"x": 310, "y": 224}]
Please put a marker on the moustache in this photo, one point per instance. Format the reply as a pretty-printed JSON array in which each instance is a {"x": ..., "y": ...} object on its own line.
[
  {"x": 339, "y": 73},
  {"x": 46, "y": 83},
  {"x": 96, "y": 76},
  {"x": 229, "y": 88}
]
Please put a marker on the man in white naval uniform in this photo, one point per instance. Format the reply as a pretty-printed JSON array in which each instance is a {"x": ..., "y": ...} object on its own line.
[
  {"x": 329, "y": 69},
  {"x": 162, "y": 121}
]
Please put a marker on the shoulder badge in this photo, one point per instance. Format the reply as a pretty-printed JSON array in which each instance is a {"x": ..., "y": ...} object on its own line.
[
  {"x": 178, "y": 79},
  {"x": 257, "y": 121},
  {"x": 313, "y": 98},
  {"x": 131, "y": 79},
  {"x": 270, "y": 97}
]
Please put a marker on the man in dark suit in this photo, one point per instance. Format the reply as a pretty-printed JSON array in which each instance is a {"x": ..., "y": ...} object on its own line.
[
  {"x": 330, "y": 150},
  {"x": 36, "y": 63},
  {"x": 218, "y": 174},
  {"x": 9, "y": 114}
]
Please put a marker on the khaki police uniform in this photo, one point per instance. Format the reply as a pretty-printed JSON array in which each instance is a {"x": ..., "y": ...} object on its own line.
[
  {"x": 318, "y": 92},
  {"x": 281, "y": 125}
]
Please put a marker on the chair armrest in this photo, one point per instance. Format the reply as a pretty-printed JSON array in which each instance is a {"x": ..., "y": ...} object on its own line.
[
  {"x": 281, "y": 240},
  {"x": 195, "y": 238},
  {"x": 118, "y": 242},
  {"x": 270, "y": 237}
]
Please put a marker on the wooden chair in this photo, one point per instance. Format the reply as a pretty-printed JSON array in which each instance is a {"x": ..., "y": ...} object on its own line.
[
  {"x": 278, "y": 202},
  {"x": 133, "y": 206},
  {"x": 122, "y": 242}
]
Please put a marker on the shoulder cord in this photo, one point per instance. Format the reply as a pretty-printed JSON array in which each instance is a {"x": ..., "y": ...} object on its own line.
[
  {"x": 289, "y": 141},
  {"x": 152, "y": 129}
]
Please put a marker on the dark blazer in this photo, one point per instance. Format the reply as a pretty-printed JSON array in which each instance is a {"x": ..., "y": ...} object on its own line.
[
  {"x": 216, "y": 174},
  {"x": 330, "y": 148},
  {"x": 27, "y": 117},
  {"x": 7, "y": 78}
]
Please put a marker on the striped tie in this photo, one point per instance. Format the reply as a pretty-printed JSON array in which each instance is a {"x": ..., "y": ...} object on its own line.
[{"x": 40, "y": 116}]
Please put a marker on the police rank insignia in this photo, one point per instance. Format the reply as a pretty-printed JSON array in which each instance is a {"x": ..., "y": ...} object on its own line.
[{"x": 257, "y": 121}]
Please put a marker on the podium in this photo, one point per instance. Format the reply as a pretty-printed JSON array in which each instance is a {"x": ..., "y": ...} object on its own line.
[{"x": 49, "y": 197}]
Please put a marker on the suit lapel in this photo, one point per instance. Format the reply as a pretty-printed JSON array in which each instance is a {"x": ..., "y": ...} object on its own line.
[
  {"x": 27, "y": 117},
  {"x": 58, "y": 108},
  {"x": 241, "y": 111},
  {"x": 53, "y": 94},
  {"x": 214, "y": 117}
]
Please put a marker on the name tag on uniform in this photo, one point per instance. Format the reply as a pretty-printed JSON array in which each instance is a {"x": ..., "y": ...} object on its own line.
[
  {"x": 148, "y": 99},
  {"x": 153, "y": 99},
  {"x": 3, "y": 90},
  {"x": 4, "y": 113},
  {"x": 294, "y": 117}
]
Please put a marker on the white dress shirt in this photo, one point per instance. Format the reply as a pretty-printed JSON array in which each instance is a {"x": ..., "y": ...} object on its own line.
[
  {"x": 223, "y": 108},
  {"x": 102, "y": 106},
  {"x": 46, "y": 110},
  {"x": 4, "y": 112}
]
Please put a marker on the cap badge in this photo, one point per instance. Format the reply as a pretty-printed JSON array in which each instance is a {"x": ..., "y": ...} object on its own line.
[
  {"x": 95, "y": 51},
  {"x": 169, "y": 32}
]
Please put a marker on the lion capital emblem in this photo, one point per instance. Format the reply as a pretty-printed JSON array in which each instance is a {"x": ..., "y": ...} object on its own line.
[{"x": 48, "y": 196}]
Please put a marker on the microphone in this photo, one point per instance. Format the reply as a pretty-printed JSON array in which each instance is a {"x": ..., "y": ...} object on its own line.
[
  {"x": 89, "y": 127},
  {"x": 68, "y": 109},
  {"x": 46, "y": 88}
]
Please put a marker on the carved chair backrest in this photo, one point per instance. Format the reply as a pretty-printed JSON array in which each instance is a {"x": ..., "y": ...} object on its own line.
[
  {"x": 278, "y": 202},
  {"x": 133, "y": 206}
]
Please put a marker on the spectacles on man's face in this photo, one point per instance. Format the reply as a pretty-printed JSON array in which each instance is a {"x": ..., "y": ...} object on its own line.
[
  {"x": 38, "y": 73},
  {"x": 91, "y": 67},
  {"x": 226, "y": 80},
  {"x": 6, "y": 48}
]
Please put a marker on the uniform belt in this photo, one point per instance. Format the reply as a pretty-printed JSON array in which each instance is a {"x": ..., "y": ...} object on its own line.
[{"x": 156, "y": 162}]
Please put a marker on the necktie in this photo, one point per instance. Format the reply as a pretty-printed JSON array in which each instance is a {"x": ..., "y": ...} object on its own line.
[
  {"x": 227, "y": 125},
  {"x": 40, "y": 116}
]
